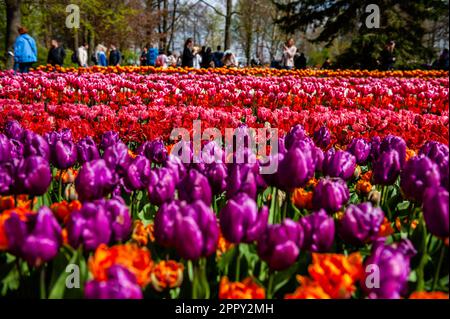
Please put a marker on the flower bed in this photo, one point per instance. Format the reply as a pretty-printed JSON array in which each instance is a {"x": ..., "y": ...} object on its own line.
[{"x": 96, "y": 201}]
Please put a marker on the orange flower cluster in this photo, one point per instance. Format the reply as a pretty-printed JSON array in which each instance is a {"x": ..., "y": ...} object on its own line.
[
  {"x": 302, "y": 198},
  {"x": 428, "y": 295},
  {"x": 246, "y": 289},
  {"x": 386, "y": 228},
  {"x": 410, "y": 154},
  {"x": 332, "y": 276},
  {"x": 222, "y": 245},
  {"x": 137, "y": 260},
  {"x": 309, "y": 289},
  {"x": 364, "y": 186},
  {"x": 167, "y": 275},
  {"x": 142, "y": 234},
  {"x": 21, "y": 212},
  {"x": 8, "y": 202},
  {"x": 68, "y": 175},
  {"x": 399, "y": 223},
  {"x": 63, "y": 209},
  {"x": 263, "y": 71}
]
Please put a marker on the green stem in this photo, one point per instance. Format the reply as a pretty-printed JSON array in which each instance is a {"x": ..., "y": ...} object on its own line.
[
  {"x": 270, "y": 285},
  {"x": 438, "y": 269},
  {"x": 238, "y": 263},
  {"x": 60, "y": 185},
  {"x": 215, "y": 208},
  {"x": 422, "y": 264},
  {"x": 272, "y": 205},
  {"x": 42, "y": 283}
]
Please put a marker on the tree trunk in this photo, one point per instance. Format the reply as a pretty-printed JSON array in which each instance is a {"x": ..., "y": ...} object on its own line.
[
  {"x": 13, "y": 21},
  {"x": 172, "y": 24},
  {"x": 228, "y": 17}
]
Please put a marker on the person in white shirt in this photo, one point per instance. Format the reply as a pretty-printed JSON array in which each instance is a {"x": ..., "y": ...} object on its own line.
[
  {"x": 83, "y": 55},
  {"x": 161, "y": 60},
  {"x": 197, "y": 58},
  {"x": 289, "y": 52}
]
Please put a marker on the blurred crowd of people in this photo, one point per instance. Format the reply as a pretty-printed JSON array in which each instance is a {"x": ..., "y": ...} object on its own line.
[{"x": 193, "y": 56}]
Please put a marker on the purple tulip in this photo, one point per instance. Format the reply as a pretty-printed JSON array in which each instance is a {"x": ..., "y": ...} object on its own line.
[
  {"x": 318, "y": 232},
  {"x": 297, "y": 133},
  {"x": 396, "y": 143},
  {"x": 117, "y": 158},
  {"x": 418, "y": 174},
  {"x": 90, "y": 226},
  {"x": 439, "y": 154},
  {"x": 322, "y": 137},
  {"x": 217, "y": 174},
  {"x": 64, "y": 154},
  {"x": 360, "y": 224},
  {"x": 435, "y": 151},
  {"x": 240, "y": 220},
  {"x": 165, "y": 223},
  {"x": 183, "y": 151},
  {"x": 297, "y": 166},
  {"x": 138, "y": 174},
  {"x": 161, "y": 186},
  {"x": 35, "y": 145},
  {"x": 87, "y": 150},
  {"x": 435, "y": 211},
  {"x": 7, "y": 173},
  {"x": 318, "y": 157},
  {"x": 241, "y": 179},
  {"x": 212, "y": 153},
  {"x": 120, "y": 218},
  {"x": 177, "y": 168},
  {"x": 330, "y": 194},
  {"x": 17, "y": 149},
  {"x": 387, "y": 168},
  {"x": 14, "y": 130},
  {"x": 392, "y": 264},
  {"x": 109, "y": 139},
  {"x": 36, "y": 240},
  {"x": 94, "y": 181},
  {"x": 359, "y": 148},
  {"x": 5, "y": 149},
  {"x": 375, "y": 144},
  {"x": 195, "y": 186},
  {"x": 155, "y": 151},
  {"x": 196, "y": 231},
  {"x": 280, "y": 244},
  {"x": 121, "y": 284},
  {"x": 339, "y": 164},
  {"x": 33, "y": 175}
]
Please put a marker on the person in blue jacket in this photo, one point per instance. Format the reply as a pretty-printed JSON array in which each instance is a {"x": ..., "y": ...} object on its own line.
[
  {"x": 25, "y": 51},
  {"x": 152, "y": 56},
  {"x": 101, "y": 55}
]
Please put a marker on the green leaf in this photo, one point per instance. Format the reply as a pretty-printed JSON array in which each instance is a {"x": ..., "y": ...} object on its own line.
[
  {"x": 283, "y": 277},
  {"x": 59, "y": 288}
]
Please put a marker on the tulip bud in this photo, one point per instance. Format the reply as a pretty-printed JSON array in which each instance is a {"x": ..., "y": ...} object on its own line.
[
  {"x": 240, "y": 220},
  {"x": 280, "y": 244},
  {"x": 435, "y": 211},
  {"x": 330, "y": 194},
  {"x": 318, "y": 232}
]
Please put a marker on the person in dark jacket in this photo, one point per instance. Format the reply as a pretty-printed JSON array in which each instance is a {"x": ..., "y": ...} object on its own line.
[
  {"x": 187, "y": 59},
  {"x": 218, "y": 56},
  {"x": 300, "y": 62},
  {"x": 56, "y": 54},
  {"x": 114, "y": 56},
  {"x": 144, "y": 56},
  {"x": 388, "y": 57},
  {"x": 207, "y": 59}
]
